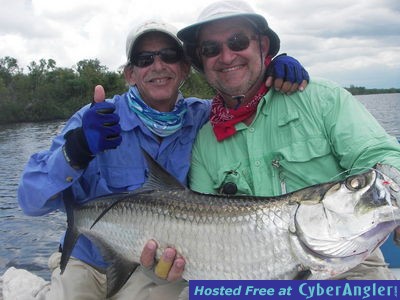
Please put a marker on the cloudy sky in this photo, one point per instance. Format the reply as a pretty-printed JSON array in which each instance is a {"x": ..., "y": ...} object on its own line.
[{"x": 352, "y": 42}]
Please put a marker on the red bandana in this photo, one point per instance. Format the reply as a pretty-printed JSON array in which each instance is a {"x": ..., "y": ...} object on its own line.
[{"x": 223, "y": 119}]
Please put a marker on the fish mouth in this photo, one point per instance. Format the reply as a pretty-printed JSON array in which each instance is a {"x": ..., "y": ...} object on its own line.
[
  {"x": 324, "y": 256},
  {"x": 360, "y": 246},
  {"x": 378, "y": 232}
]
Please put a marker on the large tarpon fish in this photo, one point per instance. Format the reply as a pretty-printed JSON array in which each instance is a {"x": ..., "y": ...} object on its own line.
[{"x": 325, "y": 229}]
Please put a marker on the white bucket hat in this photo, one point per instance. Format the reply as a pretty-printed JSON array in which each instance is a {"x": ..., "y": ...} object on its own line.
[
  {"x": 223, "y": 10},
  {"x": 146, "y": 27}
]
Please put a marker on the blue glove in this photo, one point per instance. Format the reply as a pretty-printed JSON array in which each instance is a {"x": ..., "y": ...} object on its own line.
[
  {"x": 100, "y": 131},
  {"x": 287, "y": 68},
  {"x": 101, "y": 127}
]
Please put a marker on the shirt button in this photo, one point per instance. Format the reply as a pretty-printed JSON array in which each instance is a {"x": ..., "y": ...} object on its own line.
[
  {"x": 257, "y": 163},
  {"x": 251, "y": 129},
  {"x": 69, "y": 179}
]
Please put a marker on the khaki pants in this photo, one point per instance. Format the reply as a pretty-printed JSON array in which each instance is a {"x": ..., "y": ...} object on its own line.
[
  {"x": 83, "y": 282},
  {"x": 373, "y": 268}
]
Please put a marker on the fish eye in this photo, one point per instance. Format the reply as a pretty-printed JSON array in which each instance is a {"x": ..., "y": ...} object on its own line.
[{"x": 356, "y": 182}]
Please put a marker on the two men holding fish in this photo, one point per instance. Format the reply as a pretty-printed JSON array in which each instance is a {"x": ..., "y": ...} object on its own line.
[{"x": 100, "y": 152}]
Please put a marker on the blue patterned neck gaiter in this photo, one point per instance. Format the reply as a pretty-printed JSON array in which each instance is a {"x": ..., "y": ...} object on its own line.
[{"x": 160, "y": 123}]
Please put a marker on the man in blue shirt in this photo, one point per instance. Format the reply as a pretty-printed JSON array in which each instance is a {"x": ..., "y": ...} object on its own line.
[{"x": 99, "y": 151}]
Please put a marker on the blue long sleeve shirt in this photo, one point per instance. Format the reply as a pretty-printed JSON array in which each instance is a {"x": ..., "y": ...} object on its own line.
[{"x": 47, "y": 174}]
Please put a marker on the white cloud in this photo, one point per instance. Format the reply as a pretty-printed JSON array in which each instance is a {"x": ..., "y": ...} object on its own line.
[{"x": 347, "y": 41}]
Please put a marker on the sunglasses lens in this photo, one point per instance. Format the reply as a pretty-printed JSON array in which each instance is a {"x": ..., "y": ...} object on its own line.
[
  {"x": 170, "y": 56},
  {"x": 167, "y": 55},
  {"x": 237, "y": 42},
  {"x": 143, "y": 59},
  {"x": 210, "y": 48}
]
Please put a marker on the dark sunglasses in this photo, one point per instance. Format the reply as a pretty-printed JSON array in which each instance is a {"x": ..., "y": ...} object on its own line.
[
  {"x": 237, "y": 42},
  {"x": 146, "y": 58}
]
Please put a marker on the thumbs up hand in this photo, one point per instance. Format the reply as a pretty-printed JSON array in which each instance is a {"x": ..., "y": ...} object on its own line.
[
  {"x": 99, "y": 94},
  {"x": 100, "y": 124},
  {"x": 100, "y": 131}
]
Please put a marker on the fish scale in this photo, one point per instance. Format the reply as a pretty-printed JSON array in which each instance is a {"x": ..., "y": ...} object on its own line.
[
  {"x": 196, "y": 229},
  {"x": 193, "y": 234}
]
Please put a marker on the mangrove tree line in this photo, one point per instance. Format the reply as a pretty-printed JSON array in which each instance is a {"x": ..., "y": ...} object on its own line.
[{"x": 46, "y": 92}]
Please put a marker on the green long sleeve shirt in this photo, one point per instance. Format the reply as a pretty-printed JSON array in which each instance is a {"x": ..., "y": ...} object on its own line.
[{"x": 318, "y": 135}]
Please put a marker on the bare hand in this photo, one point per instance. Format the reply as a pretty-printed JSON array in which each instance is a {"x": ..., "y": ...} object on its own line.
[
  {"x": 99, "y": 94},
  {"x": 169, "y": 267},
  {"x": 286, "y": 74},
  {"x": 286, "y": 87}
]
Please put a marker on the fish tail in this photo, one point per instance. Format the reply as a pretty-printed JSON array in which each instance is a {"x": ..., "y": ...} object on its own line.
[{"x": 72, "y": 234}]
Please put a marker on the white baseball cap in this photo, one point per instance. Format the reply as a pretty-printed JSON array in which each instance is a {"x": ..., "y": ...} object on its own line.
[{"x": 146, "y": 27}]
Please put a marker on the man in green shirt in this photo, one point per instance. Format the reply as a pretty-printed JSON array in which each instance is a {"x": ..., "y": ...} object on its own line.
[{"x": 264, "y": 143}]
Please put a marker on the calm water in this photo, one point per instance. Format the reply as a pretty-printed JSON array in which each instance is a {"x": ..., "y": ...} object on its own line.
[{"x": 27, "y": 242}]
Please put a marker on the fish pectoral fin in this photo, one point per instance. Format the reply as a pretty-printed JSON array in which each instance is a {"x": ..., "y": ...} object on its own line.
[
  {"x": 70, "y": 239},
  {"x": 119, "y": 268},
  {"x": 118, "y": 274},
  {"x": 117, "y": 199},
  {"x": 158, "y": 177},
  {"x": 72, "y": 234}
]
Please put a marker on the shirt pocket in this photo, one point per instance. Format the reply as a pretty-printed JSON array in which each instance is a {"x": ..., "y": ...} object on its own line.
[
  {"x": 231, "y": 180},
  {"x": 290, "y": 119},
  {"x": 302, "y": 163},
  {"x": 122, "y": 178},
  {"x": 304, "y": 151}
]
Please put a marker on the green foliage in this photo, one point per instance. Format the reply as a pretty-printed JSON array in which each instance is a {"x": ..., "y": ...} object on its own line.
[
  {"x": 47, "y": 92},
  {"x": 197, "y": 86},
  {"x": 360, "y": 90}
]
